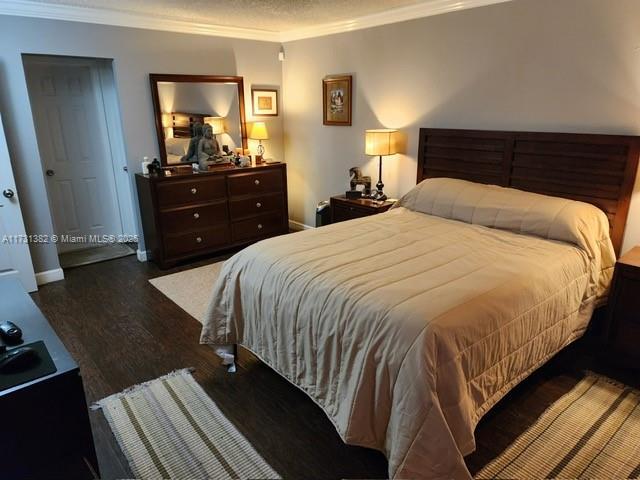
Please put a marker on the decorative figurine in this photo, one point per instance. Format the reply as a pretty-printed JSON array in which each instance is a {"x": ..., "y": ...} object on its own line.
[{"x": 356, "y": 178}]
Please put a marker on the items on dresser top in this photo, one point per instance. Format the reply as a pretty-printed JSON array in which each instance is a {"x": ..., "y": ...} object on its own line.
[
  {"x": 343, "y": 208},
  {"x": 623, "y": 322},
  {"x": 191, "y": 214}
]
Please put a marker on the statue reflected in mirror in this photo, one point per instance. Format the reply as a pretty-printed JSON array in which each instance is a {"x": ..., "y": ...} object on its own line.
[
  {"x": 192, "y": 150},
  {"x": 208, "y": 148}
]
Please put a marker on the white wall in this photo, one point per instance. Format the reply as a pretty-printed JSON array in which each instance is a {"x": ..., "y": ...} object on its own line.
[
  {"x": 136, "y": 53},
  {"x": 540, "y": 65}
]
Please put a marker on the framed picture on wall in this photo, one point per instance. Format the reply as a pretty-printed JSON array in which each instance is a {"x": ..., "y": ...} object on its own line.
[
  {"x": 265, "y": 102},
  {"x": 336, "y": 96}
]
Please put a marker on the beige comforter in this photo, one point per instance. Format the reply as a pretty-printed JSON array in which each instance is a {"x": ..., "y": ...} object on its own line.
[{"x": 406, "y": 327}]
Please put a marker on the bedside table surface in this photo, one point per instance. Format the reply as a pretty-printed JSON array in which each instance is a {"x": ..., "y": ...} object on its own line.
[
  {"x": 365, "y": 202},
  {"x": 631, "y": 258}
]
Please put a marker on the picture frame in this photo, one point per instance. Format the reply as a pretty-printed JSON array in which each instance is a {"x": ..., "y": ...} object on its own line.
[
  {"x": 336, "y": 100},
  {"x": 264, "y": 102}
]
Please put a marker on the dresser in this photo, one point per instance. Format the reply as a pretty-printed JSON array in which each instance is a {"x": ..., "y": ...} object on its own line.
[
  {"x": 193, "y": 214},
  {"x": 45, "y": 430}
]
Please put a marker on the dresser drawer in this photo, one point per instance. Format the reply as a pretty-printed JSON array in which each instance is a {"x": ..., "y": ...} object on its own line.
[
  {"x": 256, "y": 227},
  {"x": 256, "y": 205},
  {"x": 255, "y": 183},
  {"x": 192, "y": 242},
  {"x": 193, "y": 218},
  {"x": 195, "y": 190}
]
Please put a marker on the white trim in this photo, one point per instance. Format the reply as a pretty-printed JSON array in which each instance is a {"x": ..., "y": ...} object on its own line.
[
  {"x": 26, "y": 8},
  {"x": 425, "y": 9},
  {"x": 142, "y": 255},
  {"x": 298, "y": 227},
  {"x": 49, "y": 276}
]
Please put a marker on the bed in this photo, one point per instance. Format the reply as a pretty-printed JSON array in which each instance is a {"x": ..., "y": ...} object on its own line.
[{"x": 408, "y": 326}]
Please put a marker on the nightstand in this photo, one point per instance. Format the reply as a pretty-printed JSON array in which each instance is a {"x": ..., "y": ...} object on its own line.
[
  {"x": 622, "y": 333},
  {"x": 343, "y": 208}
]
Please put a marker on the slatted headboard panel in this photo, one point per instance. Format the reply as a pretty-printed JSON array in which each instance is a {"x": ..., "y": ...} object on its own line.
[{"x": 598, "y": 169}]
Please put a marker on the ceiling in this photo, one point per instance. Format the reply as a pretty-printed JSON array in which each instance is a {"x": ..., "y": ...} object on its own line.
[
  {"x": 271, "y": 15},
  {"x": 267, "y": 20}
]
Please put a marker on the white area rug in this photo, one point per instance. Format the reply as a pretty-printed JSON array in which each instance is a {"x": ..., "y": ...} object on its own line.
[
  {"x": 170, "y": 428},
  {"x": 190, "y": 289}
]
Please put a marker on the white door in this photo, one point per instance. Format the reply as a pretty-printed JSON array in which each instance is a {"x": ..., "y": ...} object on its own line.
[
  {"x": 15, "y": 258},
  {"x": 69, "y": 116}
]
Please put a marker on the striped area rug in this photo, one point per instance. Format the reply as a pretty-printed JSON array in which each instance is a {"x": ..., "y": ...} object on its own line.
[
  {"x": 592, "y": 432},
  {"x": 170, "y": 428}
]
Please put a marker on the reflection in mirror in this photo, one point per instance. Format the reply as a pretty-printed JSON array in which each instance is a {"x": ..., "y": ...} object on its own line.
[{"x": 202, "y": 122}]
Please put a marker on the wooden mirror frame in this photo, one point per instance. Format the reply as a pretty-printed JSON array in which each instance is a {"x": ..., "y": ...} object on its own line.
[{"x": 154, "y": 78}]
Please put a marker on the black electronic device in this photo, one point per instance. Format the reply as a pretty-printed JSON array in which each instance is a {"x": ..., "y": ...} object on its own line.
[
  {"x": 10, "y": 332},
  {"x": 18, "y": 359}
]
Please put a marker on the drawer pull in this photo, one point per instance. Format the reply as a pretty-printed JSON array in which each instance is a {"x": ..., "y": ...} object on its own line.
[
  {"x": 194, "y": 190},
  {"x": 199, "y": 239},
  {"x": 256, "y": 181},
  {"x": 259, "y": 226},
  {"x": 258, "y": 205},
  {"x": 196, "y": 215}
]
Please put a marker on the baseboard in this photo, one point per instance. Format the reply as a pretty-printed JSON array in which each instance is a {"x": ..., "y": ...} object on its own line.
[
  {"x": 49, "y": 276},
  {"x": 297, "y": 226},
  {"x": 142, "y": 255}
]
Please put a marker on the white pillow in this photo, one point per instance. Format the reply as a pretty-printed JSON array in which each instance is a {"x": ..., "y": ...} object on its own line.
[
  {"x": 177, "y": 146},
  {"x": 528, "y": 213}
]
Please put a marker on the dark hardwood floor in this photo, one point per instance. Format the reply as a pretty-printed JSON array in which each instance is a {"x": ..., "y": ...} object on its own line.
[{"x": 123, "y": 331}]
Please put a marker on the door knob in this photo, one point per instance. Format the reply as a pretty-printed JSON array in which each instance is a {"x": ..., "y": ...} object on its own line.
[
  {"x": 8, "y": 193},
  {"x": 50, "y": 173}
]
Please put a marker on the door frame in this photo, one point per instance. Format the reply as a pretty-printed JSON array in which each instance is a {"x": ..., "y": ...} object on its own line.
[{"x": 107, "y": 98}]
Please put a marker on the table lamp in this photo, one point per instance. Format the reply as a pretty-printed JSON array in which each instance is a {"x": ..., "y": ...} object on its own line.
[
  {"x": 380, "y": 142},
  {"x": 217, "y": 124},
  {"x": 259, "y": 132}
]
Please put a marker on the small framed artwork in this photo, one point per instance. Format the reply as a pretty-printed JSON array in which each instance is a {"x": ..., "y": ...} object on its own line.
[
  {"x": 336, "y": 96},
  {"x": 265, "y": 102}
]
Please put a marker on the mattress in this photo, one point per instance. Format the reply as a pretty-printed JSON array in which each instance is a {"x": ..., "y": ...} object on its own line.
[{"x": 408, "y": 326}]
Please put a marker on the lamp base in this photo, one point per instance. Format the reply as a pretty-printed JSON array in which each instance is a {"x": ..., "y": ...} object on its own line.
[{"x": 378, "y": 195}]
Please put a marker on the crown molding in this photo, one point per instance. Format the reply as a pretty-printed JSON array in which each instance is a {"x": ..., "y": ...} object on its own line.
[
  {"x": 425, "y": 9},
  {"x": 25, "y": 8}
]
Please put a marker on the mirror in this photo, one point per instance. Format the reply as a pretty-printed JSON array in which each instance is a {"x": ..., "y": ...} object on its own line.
[{"x": 199, "y": 118}]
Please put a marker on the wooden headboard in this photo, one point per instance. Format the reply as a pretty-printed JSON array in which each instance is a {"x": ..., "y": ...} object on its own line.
[
  {"x": 182, "y": 123},
  {"x": 598, "y": 169}
]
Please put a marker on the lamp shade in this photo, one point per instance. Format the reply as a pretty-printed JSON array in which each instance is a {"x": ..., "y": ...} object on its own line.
[
  {"x": 381, "y": 142},
  {"x": 217, "y": 124},
  {"x": 259, "y": 131}
]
